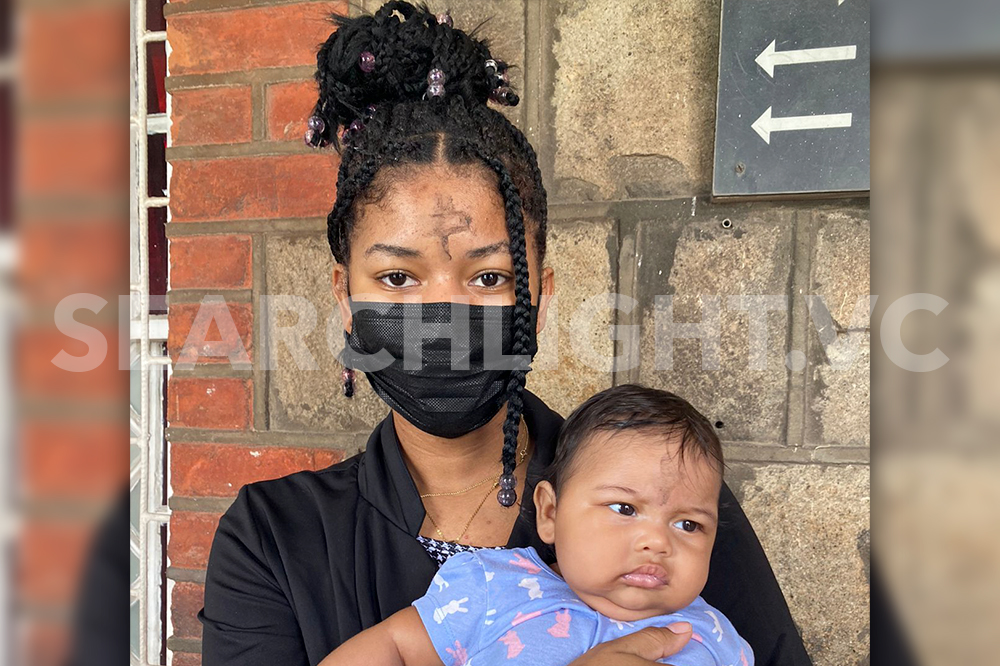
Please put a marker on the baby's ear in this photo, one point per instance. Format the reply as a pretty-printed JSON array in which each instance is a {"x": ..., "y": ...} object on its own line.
[{"x": 545, "y": 511}]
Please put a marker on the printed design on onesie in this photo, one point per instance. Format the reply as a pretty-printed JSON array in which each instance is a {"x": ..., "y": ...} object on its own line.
[
  {"x": 454, "y": 606},
  {"x": 513, "y": 643},
  {"x": 561, "y": 628}
]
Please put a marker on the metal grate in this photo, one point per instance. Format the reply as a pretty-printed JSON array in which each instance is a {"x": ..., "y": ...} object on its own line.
[{"x": 149, "y": 368}]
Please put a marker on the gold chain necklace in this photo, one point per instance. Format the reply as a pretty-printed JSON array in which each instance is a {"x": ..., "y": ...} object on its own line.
[
  {"x": 521, "y": 435},
  {"x": 496, "y": 483}
]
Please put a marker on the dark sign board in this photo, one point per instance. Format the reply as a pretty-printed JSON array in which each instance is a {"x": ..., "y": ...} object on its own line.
[{"x": 793, "y": 107}]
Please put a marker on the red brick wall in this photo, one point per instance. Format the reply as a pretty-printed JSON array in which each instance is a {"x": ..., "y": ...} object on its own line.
[
  {"x": 240, "y": 90},
  {"x": 72, "y": 179}
]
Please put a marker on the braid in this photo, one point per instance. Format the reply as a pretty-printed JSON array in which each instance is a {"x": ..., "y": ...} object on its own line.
[{"x": 522, "y": 315}]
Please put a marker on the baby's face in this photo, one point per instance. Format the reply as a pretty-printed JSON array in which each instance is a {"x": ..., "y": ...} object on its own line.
[{"x": 633, "y": 525}]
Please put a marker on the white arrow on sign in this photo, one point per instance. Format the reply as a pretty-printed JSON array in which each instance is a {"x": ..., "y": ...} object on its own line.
[
  {"x": 766, "y": 124},
  {"x": 769, "y": 58}
]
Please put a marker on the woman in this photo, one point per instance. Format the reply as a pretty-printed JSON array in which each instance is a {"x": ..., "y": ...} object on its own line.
[{"x": 440, "y": 213}]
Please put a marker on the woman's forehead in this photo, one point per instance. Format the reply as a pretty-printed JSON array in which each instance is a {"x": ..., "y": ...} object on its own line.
[{"x": 434, "y": 205}]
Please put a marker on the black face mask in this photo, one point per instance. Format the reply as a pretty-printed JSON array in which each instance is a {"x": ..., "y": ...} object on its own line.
[{"x": 443, "y": 366}]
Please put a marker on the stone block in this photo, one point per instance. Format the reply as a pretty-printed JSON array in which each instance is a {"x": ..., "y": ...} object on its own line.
[
  {"x": 576, "y": 349},
  {"x": 839, "y": 391},
  {"x": 634, "y": 97},
  {"x": 717, "y": 254},
  {"x": 838, "y": 387},
  {"x": 814, "y": 524},
  {"x": 841, "y": 271},
  {"x": 310, "y": 398}
]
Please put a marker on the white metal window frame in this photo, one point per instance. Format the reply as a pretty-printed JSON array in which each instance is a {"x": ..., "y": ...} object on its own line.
[{"x": 148, "y": 357}]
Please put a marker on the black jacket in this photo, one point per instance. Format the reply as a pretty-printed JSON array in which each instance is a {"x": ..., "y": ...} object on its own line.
[{"x": 302, "y": 563}]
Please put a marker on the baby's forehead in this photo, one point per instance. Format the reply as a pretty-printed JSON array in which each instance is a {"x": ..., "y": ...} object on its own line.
[{"x": 652, "y": 451}]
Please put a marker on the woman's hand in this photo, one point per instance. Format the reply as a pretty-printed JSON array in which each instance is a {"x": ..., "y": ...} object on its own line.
[{"x": 642, "y": 648}]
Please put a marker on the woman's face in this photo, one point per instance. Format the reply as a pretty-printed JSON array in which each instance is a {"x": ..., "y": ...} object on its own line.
[{"x": 437, "y": 236}]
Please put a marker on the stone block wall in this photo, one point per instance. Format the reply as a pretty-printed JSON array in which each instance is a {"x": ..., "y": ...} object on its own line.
[{"x": 619, "y": 102}]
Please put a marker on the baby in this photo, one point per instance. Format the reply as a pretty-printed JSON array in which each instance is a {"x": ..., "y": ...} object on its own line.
[{"x": 630, "y": 505}]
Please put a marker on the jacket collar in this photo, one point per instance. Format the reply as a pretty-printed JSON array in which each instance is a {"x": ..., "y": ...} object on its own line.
[{"x": 385, "y": 481}]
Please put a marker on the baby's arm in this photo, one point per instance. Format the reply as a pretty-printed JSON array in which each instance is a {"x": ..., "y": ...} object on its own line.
[{"x": 399, "y": 640}]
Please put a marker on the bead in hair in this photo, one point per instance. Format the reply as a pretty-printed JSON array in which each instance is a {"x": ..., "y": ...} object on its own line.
[
  {"x": 314, "y": 135},
  {"x": 435, "y": 83},
  {"x": 367, "y": 61},
  {"x": 444, "y": 18}
]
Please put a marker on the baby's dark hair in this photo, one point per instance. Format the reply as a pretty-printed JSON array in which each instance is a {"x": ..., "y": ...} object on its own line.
[
  {"x": 373, "y": 75},
  {"x": 631, "y": 407}
]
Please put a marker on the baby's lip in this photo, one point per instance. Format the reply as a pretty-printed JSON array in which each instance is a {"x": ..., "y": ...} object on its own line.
[{"x": 648, "y": 575}]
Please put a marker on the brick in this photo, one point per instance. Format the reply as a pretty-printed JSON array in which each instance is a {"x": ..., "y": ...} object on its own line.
[
  {"x": 211, "y": 116},
  {"x": 185, "y": 602},
  {"x": 210, "y": 262},
  {"x": 211, "y": 470},
  {"x": 50, "y": 560},
  {"x": 190, "y": 539},
  {"x": 71, "y": 52},
  {"x": 289, "y": 105},
  {"x": 186, "y": 659},
  {"x": 217, "y": 347},
  {"x": 38, "y": 376},
  {"x": 249, "y": 38},
  {"x": 58, "y": 257},
  {"x": 215, "y": 403},
  {"x": 253, "y": 187},
  {"x": 73, "y": 156},
  {"x": 74, "y": 460},
  {"x": 46, "y": 642}
]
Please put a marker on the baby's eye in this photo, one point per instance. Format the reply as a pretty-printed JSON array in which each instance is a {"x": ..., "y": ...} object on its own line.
[
  {"x": 397, "y": 279},
  {"x": 687, "y": 525},
  {"x": 622, "y": 508},
  {"x": 489, "y": 280}
]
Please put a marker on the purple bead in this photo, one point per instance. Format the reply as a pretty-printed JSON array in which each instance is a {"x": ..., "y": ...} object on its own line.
[
  {"x": 369, "y": 112},
  {"x": 346, "y": 135},
  {"x": 310, "y": 137},
  {"x": 508, "y": 482},
  {"x": 367, "y": 62},
  {"x": 506, "y": 496},
  {"x": 316, "y": 124},
  {"x": 435, "y": 76},
  {"x": 444, "y": 18},
  {"x": 435, "y": 90},
  {"x": 347, "y": 376},
  {"x": 356, "y": 126}
]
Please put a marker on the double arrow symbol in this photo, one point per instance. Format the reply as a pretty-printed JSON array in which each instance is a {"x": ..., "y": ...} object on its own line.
[{"x": 769, "y": 58}]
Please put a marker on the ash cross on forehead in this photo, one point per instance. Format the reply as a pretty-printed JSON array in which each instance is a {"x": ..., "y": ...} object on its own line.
[{"x": 449, "y": 221}]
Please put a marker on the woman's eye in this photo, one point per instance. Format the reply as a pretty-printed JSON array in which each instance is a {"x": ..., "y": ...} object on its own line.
[
  {"x": 396, "y": 279},
  {"x": 687, "y": 525},
  {"x": 623, "y": 509},
  {"x": 489, "y": 280}
]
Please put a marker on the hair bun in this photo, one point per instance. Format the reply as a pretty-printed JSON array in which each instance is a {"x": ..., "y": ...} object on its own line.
[{"x": 401, "y": 53}]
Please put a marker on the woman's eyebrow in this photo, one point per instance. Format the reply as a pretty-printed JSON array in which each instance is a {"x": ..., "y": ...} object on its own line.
[
  {"x": 621, "y": 489},
  {"x": 487, "y": 250},
  {"x": 393, "y": 250}
]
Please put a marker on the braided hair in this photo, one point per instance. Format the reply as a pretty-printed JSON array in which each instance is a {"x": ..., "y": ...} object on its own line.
[{"x": 378, "y": 108}]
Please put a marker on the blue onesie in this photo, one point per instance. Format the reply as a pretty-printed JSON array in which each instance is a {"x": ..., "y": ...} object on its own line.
[{"x": 494, "y": 606}]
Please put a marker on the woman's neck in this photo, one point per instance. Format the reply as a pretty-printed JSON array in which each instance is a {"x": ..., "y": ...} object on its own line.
[{"x": 442, "y": 465}]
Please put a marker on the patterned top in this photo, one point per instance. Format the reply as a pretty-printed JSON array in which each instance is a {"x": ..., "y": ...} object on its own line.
[
  {"x": 497, "y": 606},
  {"x": 440, "y": 551}
]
